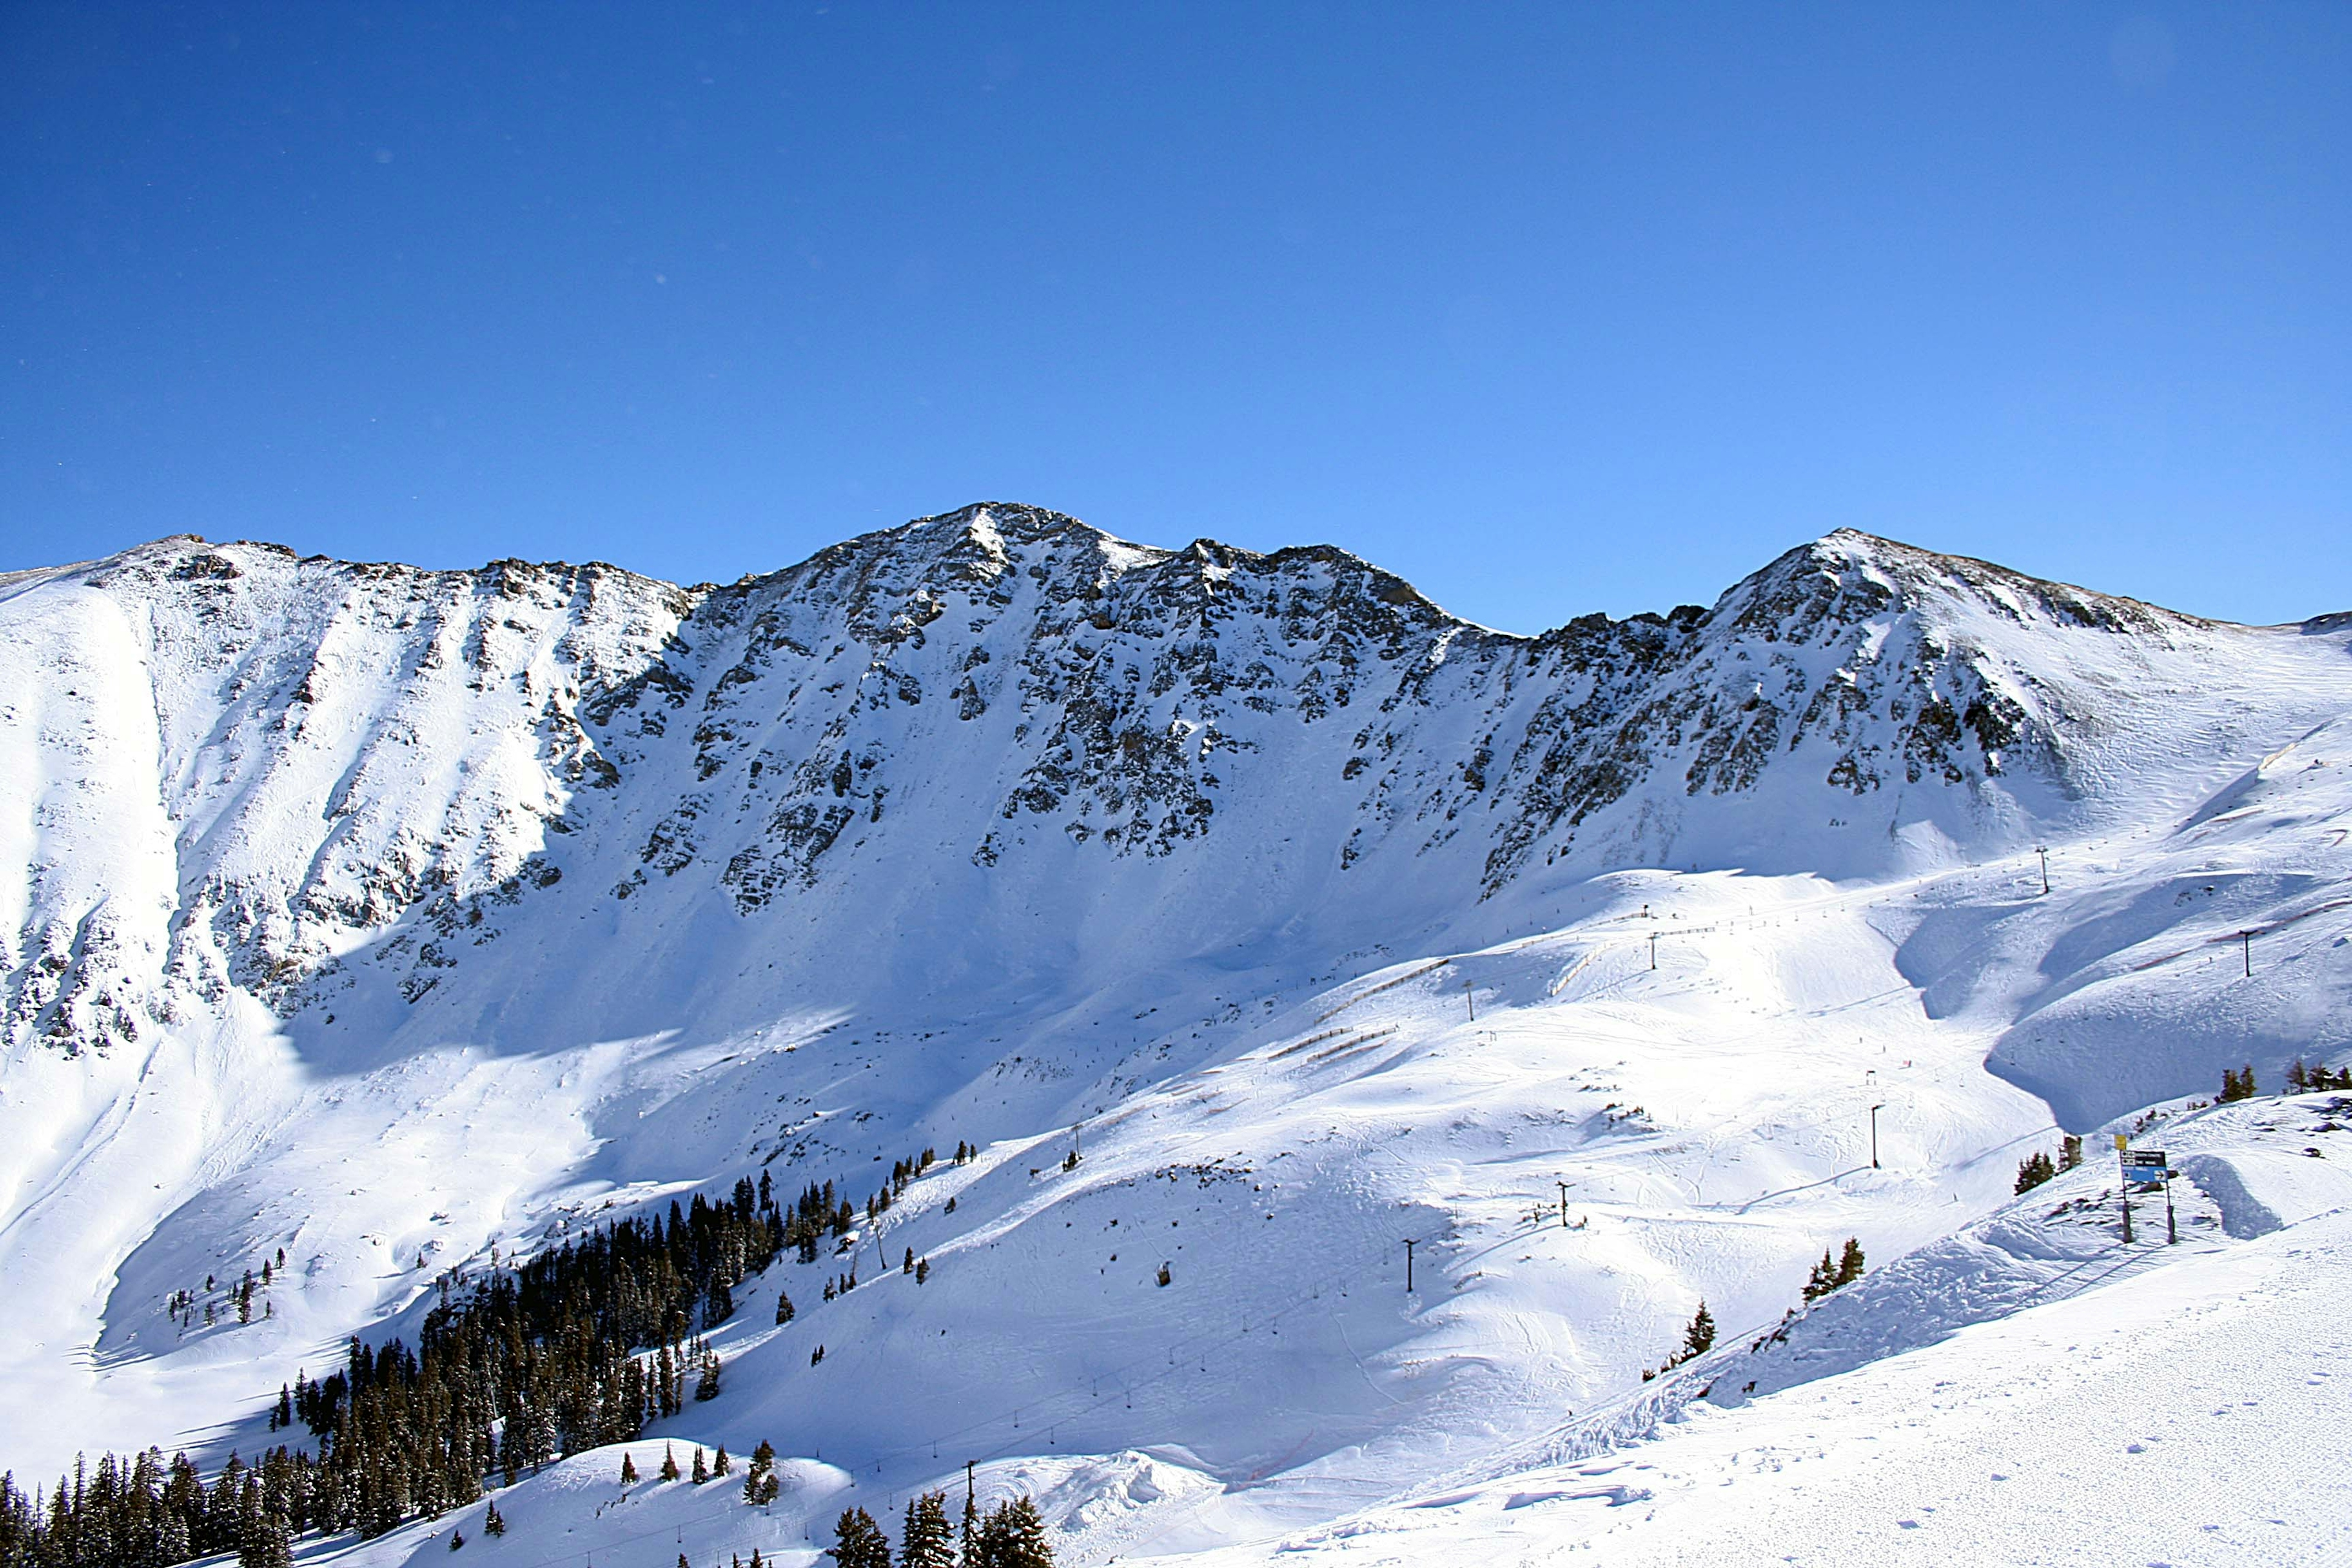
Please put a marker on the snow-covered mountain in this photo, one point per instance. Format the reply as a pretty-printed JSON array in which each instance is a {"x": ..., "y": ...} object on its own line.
[
  {"x": 381, "y": 915},
  {"x": 1012, "y": 738}
]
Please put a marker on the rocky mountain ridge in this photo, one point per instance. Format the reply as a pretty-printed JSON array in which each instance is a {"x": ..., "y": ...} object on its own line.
[{"x": 294, "y": 770}]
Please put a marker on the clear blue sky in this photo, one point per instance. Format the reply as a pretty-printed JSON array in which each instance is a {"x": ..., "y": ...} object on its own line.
[{"x": 1551, "y": 307}]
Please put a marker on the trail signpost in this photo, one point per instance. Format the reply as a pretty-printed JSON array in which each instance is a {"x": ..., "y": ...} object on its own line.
[
  {"x": 2123, "y": 1153},
  {"x": 2149, "y": 1168}
]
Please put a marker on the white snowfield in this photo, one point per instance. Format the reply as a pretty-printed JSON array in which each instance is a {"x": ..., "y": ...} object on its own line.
[
  {"x": 2179, "y": 1405},
  {"x": 381, "y": 917}
]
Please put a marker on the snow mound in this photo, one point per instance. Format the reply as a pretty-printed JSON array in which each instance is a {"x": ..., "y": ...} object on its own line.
[{"x": 2259, "y": 1192}]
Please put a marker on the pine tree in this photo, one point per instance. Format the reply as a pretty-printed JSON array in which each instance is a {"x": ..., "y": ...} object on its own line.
[
  {"x": 720, "y": 1463},
  {"x": 1823, "y": 1279},
  {"x": 2070, "y": 1152},
  {"x": 928, "y": 1541},
  {"x": 2034, "y": 1170},
  {"x": 760, "y": 1484},
  {"x": 493, "y": 1522},
  {"x": 1699, "y": 1338},
  {"x": 628, "y": 1469},
  {"x": 858, "y": 1541},
  {"x": 701, "y": 1468},
  {"x": 1848, "y": 1269},
  {"x": 263, "y": 1544},
  {"x": 2296, "y": 1079},
  {"x": 1012, "y": 1536},
  {"x": 784, "y": 1307},
  {"x": 707, "y": 1385},
  {"x": 922, "y": 1270},
  {"x": 670, "y": 1471}
]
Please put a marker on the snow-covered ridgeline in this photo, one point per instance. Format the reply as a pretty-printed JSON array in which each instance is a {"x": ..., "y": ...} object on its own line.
[{"x": 232, "y": 768}]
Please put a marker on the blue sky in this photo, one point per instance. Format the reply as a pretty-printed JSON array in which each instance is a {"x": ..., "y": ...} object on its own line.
[{"x": 1551, "y": 307}]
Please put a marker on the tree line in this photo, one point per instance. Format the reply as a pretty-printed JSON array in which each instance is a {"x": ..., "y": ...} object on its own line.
[
  {"x": 1010, "y": 1535},
  {"x": 580, "y": 1345}
]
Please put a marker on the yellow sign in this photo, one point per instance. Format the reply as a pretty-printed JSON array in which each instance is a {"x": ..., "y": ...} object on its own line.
[{"x": 2123, "y": 1141}]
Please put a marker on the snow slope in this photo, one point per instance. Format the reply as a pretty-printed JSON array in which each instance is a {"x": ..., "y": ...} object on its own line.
[
  {"x": 381, "y": 915},
  {"x": 2031, "y": 1391}
]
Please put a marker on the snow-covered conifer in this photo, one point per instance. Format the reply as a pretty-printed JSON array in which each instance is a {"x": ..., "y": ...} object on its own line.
[
  {"x": 858, "y": 1541},
  {"x": 927, "y": 1540},
  {"x": 1699, "y": 1337}
]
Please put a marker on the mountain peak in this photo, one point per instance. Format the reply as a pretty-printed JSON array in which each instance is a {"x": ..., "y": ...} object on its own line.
[{"x": 1847, "y": 577}]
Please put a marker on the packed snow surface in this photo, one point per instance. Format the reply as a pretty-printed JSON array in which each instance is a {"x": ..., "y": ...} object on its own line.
[
  {"x": 2157, "y": 1403},
  {"x": 382, "y": 917}
]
